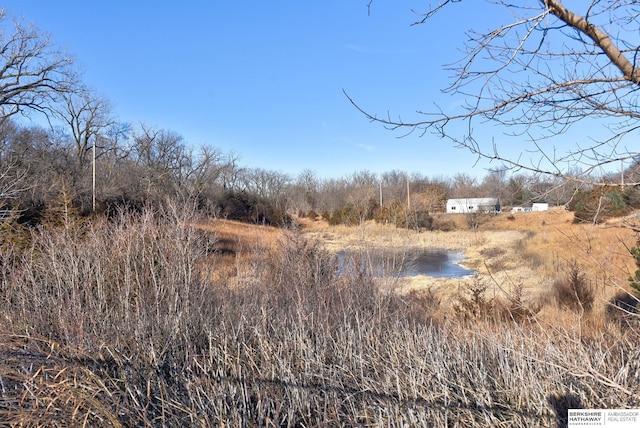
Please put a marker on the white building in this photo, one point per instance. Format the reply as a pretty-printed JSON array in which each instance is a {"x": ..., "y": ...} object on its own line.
[
  {"x": 473, "y": 205},
  {"x": 540, "y": 206}
]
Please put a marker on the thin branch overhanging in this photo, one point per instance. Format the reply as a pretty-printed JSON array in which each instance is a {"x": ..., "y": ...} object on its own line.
[{"x": 594, "y": 89}]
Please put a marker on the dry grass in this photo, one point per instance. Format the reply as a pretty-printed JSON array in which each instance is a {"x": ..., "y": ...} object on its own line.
[
  {"x": 530, "y": 251},
  {"x": 236, "y": 246},
  {"x": 126, "y": 324},
  {"x": 235, "y": 233}
]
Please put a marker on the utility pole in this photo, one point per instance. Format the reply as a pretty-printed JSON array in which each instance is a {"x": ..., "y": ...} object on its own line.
[
  {"x": 94, "y": 177},
  {"x": 408, "y": 196}
]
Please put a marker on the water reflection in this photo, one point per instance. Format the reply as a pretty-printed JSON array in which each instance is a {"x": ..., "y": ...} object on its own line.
[{"x": 436, "y": 263}]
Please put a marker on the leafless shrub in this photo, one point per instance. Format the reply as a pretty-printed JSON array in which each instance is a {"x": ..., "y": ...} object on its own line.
[
  {"x": 141, "y": 272},
  {"x": 423, "y": 303},
  {"x": 473, "y": 220}
]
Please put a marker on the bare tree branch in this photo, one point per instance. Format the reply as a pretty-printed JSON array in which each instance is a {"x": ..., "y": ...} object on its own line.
[
  {"x": 536, "y": 77},
  {"x": 87, "y": 116},
  {"x": 32, "y": 70}
]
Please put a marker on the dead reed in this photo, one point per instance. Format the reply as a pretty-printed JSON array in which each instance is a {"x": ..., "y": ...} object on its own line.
[{"x": 121, "y": 323}]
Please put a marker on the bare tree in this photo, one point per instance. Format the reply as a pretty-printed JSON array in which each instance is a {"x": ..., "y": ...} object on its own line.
[
  {"x": 394, "y": 186},
  {"x": 202, "y": 169},
  {"x": 464, "y": 186},
  {"x": 161, "y": 157},
  {"x": 230, "y": 173},
  {"x": 33, "y": 73},
  {"x": 431, "y": 199},
  {"x": 88, "y": 117},
  {"x": 32, "y": 70},
  {"x": 12, "y": 185},
  {"x": 268, "y": 185},
  {"x": 34, "y": 167},
  {"x": 536, "y": 76},
  {"x": 494, "y": 184},
  {"x": 333, "y": 194},
  {"x": 304, "y": 191}
]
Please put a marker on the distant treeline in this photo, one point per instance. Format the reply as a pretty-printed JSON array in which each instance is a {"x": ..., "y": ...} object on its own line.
[{"x": 45, "y": 176}]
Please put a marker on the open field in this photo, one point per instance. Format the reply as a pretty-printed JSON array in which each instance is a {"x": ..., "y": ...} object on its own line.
[{"x": 163, "y": 319}]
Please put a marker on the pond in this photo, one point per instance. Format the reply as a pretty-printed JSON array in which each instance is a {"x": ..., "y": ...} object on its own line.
[{"x": 384, "y": 263}]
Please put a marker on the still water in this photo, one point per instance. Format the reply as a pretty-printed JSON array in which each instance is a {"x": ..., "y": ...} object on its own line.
[{"x": 437, "y": 263}]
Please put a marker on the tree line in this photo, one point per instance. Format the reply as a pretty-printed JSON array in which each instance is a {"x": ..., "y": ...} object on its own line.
[{"x": 49, "y": 171}]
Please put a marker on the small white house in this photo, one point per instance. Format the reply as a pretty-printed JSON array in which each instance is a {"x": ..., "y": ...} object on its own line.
[
  {"x": 540, "y": 206},
  {"x": 473, "y": 205}
]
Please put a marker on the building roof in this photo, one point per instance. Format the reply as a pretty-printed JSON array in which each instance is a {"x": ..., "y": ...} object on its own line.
[{"x": 474, "y": 201}]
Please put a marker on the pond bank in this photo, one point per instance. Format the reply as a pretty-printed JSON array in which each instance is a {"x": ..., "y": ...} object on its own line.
[{"x": 491, "y": 253}]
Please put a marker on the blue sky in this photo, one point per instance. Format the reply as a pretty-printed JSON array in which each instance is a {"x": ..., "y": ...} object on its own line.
[{"x": 265, "y": 79}]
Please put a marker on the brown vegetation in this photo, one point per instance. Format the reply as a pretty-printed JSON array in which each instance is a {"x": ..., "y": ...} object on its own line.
[
  {"x": 125, "y": 322},
  {"x": 527, "y": 250},
  {"x": 122, "y": 303}
]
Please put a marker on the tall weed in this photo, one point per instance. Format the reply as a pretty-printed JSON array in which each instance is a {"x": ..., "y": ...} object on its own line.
[{"x": 119, "y": 323}]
